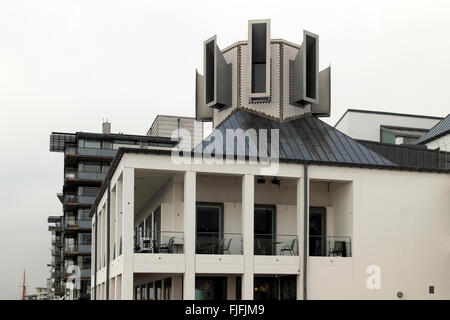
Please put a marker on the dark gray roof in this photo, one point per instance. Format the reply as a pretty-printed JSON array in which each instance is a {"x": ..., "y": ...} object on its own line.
[
  {"x": 305, "y": 139},
  {"x": 441, "y": 128},
  {"x": 410, "y": 155}
]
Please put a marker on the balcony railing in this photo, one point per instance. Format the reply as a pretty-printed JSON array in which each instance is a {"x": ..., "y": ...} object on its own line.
[
  {"x": 85, "y": 272},
  {"x": 330, "y": 246},
  {"x": 73, "y": 198},
  {"x": 77, "y": 248},
  {"x": 159, "y": 242},
  {"x": 275, "y": 245},
  {"x": 91, "y": 152},
  {"x": 218, "y": 243},
  {"x": 84, "y": 175},
  {"x": 82, "y": 224}
]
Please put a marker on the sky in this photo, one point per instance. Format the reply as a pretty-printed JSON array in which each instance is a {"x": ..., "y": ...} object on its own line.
[{"x": 67, "y": 65}]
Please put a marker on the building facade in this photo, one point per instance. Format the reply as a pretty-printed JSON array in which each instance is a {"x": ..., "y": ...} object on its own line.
[
  {"x": 87, "y": 158},
  {"x": 385, "y": 127},
  {"x": 275, "y": 203}
]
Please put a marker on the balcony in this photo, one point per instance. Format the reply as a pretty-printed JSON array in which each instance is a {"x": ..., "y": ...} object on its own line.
[
  {"x": 84, "y": 272},
  {"x": 79, "y": 224},
  {"x": 219, "y": 243},
  {"x": 160, "y": 242},
  {"x": 73, "y": 199},
  {"x": 275, "y": 245},
  {"x": 84, "y": 176},
  {"x": 89, "y": 152},
  {"x": 330, "y": 246},
  {"x": 72, "y": 249}
]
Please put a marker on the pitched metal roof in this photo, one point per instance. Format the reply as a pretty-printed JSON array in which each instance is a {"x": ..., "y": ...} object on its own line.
[
  {"x": 441, "y": 128},
  {"x": 305, "y": 139}
]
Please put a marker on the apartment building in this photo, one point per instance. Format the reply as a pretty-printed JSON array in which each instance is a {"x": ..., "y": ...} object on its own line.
[
  {"x": 87, "y": 158},
  {"x": 287, "y": 207}
]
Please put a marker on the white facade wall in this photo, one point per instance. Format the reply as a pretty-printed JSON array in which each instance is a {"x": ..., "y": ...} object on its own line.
[
  {"x": 366, "y": 126},
  {"x": 443, "y": 143},
  {"x": 399, "y": 222}
]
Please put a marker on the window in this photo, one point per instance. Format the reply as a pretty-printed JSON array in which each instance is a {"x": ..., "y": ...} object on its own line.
[
  {"x": 217, "y": 88},
  {"x": 210, "y": 288},
  {"x": 311, "y": 65},
  {"x": 151, "y": 293},
  {"x": 92, "y": 144},
  {"x": 84, "y": 238},
  {"x": 288, "y": 288},
  {"x": 158, "y": 290},
  {"x": 259, "y": 58},
  {"x": 305, "y": 72},
  {"x": 209, "y": 219},
  {"x": 265, "y": 229},
  {"x": 143, "y": 292},
  {"x": 88, "y": 191},
  {"x": 83, "y": 214},
  {"x": 209, "y": 71},
  {"x": 168, "y": 289},
  {"x": 266, "y": 288}
]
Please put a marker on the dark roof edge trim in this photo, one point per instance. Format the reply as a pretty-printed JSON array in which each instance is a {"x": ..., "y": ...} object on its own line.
[{"x": 389, "y": 114}]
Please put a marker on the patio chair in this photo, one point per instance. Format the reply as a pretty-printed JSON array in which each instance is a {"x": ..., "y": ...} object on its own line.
[
  {"x": 289, "y": 247},
  {"x": 339, "y": 248},
  {"x": 259, "y": 249},
  {"x": 167, "y": 246},
  {"x": 225, "y": 248}
]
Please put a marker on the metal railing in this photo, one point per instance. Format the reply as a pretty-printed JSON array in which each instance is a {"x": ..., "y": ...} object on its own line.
[
  {"x": 159, "y": 242},
  {"x": 77, "y": 248},
  {"x": 82, "y": 223},
  {"x": 85, "y": 175},
  {"x": 275, "y": 245},
  {"x": 219, "y": 243},
  {"x": 330, "y": 246},
  {"x": 73, "y": 198},
  {"x": 92, "y": 152}
]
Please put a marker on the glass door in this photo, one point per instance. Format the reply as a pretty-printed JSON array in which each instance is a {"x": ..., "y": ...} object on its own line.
[
  {"x": 209, "y": 227},
  {"x": 265, "y": 230},
  {"x": 317, "y": 231}
]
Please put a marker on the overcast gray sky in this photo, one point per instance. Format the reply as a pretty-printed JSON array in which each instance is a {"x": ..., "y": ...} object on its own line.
[{"x": 65, "y": 65}]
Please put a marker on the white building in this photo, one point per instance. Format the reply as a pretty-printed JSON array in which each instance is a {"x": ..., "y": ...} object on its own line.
[
  {"x": 325, "y": 218},
  {"x": 386, "y": 127}
]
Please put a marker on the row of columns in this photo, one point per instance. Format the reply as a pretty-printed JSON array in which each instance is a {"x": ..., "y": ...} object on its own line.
[{"x": 126, "y": 202}]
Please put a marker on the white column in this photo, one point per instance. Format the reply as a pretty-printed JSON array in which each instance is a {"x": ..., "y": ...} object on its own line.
[
  {"x": 127, "y": 233},
  {"x": 231, "y": 287},
  {"x": 248, "y": 195},
  {"x": 300, "y": 219},
  {"x": 189, "y": 234},
  {"x": 177, "y": 284}
]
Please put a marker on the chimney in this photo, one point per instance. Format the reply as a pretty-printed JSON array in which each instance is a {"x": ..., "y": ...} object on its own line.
[{"x": 106, "y": 127}]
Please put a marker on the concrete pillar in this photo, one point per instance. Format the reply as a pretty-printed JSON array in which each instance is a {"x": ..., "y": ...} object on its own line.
[
  {"x": 248, "y": 196},
  {"x": 300, "y": 218},
  {"x": 189, "y": 234},
  {"x": 127, "y": 233},
  {"x": 177, "y": 284}
]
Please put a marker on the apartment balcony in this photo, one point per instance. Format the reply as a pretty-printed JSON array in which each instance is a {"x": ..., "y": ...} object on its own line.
[
  {"x": 73, "y": 153},
  {"x": 85, "y": 273},
  {"x": 219, "y": 243},
  {"x": 83, "y": 177},
  {"x": 84, "y": 224},
  {"x": 160, "y": 242},
  {"x": 75, "y": 200},
  {"x": 77, "y": 249},
  {"x": 330, "y": 246},
  {"x": 275, "y": 245}
]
